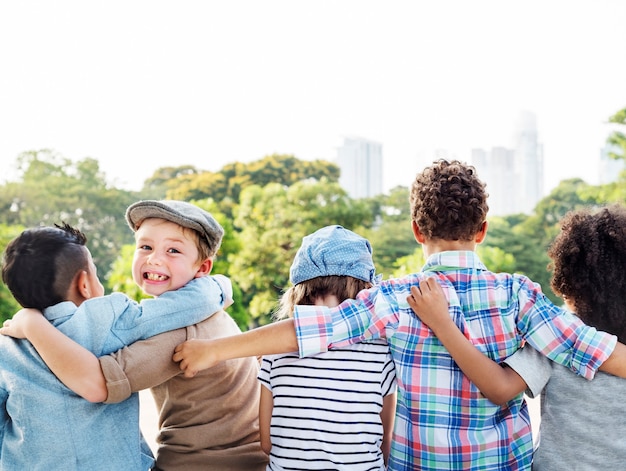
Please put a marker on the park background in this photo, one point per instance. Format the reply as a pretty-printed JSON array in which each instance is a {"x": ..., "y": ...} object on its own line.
[
  {"x": 266, "y": 207},
  {"x": 157, "y": 93}
]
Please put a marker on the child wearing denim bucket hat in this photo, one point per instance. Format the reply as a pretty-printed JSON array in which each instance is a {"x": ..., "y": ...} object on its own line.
[
  {"x": 209, "y": 423},
  {"x": 333, "y": 410}
]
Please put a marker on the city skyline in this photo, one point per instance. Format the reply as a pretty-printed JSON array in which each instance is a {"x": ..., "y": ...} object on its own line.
[
  {"x": 143, "y": 85},
  {"x": 361, "y": 163}
]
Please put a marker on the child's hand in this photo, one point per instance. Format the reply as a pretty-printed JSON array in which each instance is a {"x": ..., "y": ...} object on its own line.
[
  {"x": 195, "y": 355},
  {"x": 21, "y": 321},
  {"x": 430, "y": 304}
]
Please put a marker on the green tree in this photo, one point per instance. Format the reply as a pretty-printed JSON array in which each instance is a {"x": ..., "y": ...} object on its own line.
[
  {"x": 54, "y": 189},
  {"x": 227, "y": 184},
  {"x": 390, "y": 235},
  {"x": 496, "y": 259},
  {"x": 616, "y": 191},
  {"x": 412, "y": 263},
  {"x": 272, "y": 221},
  {"x": 618, "y": 137},
  {"x": 157, "y": 186},
  {"x": 8, "y": 304}
]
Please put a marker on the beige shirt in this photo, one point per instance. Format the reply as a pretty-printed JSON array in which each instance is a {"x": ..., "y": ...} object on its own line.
[{"x": 209, "y": 422}]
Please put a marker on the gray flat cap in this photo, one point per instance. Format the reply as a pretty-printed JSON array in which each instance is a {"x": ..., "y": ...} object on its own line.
[{"x": 179, "y": 212}]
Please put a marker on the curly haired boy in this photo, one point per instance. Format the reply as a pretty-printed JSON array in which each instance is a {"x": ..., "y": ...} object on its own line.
[{"x": 587, "y": 258}]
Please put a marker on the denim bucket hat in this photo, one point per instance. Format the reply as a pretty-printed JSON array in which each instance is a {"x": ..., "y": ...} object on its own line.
[
  {"x": 179, "y": 212},
  {"x": 333, "y": 250}
]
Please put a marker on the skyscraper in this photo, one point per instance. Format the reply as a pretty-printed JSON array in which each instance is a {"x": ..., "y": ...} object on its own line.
[
  {"x": 514, "y": 176},
  {"x": 361, "y": 164},
  {"x": 610, "y": 168},
  {"x": 497, "y": 169},
  {"x": 528, "y": 162}
]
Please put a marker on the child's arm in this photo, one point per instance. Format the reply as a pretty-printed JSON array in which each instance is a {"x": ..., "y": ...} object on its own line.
[
  {"x": 615, "y": 364},
  {"x": 266, "y": 407},
  {"x": 195, "y": 355},
  {"x": 74, "y": 365},
  {"x": 498, "y": 384},
  {"x": 387, "y": 416}
]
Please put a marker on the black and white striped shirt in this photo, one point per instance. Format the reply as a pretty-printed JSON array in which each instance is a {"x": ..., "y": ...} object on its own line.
[{"x": 327, "y": 407}]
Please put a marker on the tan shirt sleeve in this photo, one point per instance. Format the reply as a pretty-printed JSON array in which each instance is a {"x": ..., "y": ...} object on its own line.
[{"x": 142, "y": 365}]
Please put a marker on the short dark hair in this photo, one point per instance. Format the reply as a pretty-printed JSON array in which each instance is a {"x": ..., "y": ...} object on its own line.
[
  {"x": 588, "y": 258},
  {"x": 449, "y": 201},
  {"x": 39, "y": 265}
]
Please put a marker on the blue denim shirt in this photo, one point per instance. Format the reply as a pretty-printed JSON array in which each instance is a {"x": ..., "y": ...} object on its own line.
[{"x": 45, "y": 426}]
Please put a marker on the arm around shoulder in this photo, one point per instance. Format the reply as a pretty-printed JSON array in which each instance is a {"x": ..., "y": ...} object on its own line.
[
  {"x": 498, "y": 384},
  {"x": 615, "y": 364},
  {"x": 74, "y": 365},
  {"x": 141, "y": 365},
  {"x": 195, "y": 355}
]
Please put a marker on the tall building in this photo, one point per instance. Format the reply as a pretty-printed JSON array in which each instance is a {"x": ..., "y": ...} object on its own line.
[
  {"x": 610, "y": 168},
  {"x": 497, "y": 169},
  {"x": 361, "y": 165},
  {"x": 514, "y": 176},
  {"x": 528, "y": 162}
]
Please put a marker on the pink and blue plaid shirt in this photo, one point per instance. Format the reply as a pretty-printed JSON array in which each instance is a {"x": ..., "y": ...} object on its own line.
[{"x": 442, "y": 420}]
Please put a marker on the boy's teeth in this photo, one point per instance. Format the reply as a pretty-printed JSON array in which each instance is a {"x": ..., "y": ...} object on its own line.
[{"x": 155, "y": 277}]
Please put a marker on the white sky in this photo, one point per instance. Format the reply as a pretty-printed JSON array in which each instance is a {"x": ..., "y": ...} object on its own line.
[{"x": 143, "y": 84}]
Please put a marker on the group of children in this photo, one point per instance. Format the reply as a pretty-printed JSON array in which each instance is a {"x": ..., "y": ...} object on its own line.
[{"x": 427, "y": 371}]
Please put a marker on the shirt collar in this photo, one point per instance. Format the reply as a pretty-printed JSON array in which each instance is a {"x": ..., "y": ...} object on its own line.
[
  {"x": 453, "y": 260},
  {"x": 61, "y": 309}
]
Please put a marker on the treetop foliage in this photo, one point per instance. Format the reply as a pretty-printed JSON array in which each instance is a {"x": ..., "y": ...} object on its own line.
[{"x": 266, "y": 207}]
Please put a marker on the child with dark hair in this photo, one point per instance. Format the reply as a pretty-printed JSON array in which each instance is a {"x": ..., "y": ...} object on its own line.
[
  {"x": 209, "y": 423},
  {"x": 442, "y": 420},
  {"x": 582, "y": 423},
  {"x": 42, "y": 424},
  {"x": 333, "y": 410}
]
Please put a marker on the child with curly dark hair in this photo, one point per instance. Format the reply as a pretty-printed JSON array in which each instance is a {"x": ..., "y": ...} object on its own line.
[
  {"x": 582, "y": 423},
  {"x": 443, "y": 422}
]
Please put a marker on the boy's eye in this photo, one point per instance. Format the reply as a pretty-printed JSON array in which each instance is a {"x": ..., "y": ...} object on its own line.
[
  {"x": 144, "y": 247},
  {"x": 173, "y": 250}
]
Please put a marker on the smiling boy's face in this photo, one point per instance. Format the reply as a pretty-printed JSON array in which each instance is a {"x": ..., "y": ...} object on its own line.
[{"x": 166, "y": 256}]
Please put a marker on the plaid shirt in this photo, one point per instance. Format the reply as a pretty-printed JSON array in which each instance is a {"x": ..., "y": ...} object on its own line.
[{"x": 442, "y": 420}]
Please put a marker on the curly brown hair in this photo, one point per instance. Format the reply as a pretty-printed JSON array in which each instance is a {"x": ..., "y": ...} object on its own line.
[
  {"x": 449, "y": 201},
  {"x": 588, "y": 259}
]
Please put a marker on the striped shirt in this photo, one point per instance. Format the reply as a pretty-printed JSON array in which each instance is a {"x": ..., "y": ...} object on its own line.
[
  {"x": 327, "y": 408},
  {"x": 442, "y": 420}
]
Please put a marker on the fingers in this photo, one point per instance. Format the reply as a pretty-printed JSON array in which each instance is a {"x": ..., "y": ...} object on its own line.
[
  {"x": 189, "y": 373},
  {"x": 426, "y": 291},
  {"x": 183, "y": 363},
  {"x": 6, "y": 328},
  {"x": 430, "y": 284}
]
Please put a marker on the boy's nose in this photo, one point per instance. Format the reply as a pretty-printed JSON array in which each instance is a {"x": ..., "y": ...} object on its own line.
[{"x": 155, "y": 258}]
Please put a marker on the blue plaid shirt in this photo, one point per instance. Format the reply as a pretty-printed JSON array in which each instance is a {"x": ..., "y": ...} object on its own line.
[{"x": 442, "y": 420}]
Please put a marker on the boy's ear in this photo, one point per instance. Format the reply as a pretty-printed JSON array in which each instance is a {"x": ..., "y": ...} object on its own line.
[
  {"x": 82, "y": 285},
  {"x": 419, "y": 237},
  {"x": 482, "y": 233},
  {"x": 204, "y": 268}
]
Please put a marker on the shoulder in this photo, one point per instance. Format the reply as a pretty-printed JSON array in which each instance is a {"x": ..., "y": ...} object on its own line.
[
  {"x": 533, "y": 367},
  {"x": 114, "y": 303},
  {"x": 217, "y": 325}
]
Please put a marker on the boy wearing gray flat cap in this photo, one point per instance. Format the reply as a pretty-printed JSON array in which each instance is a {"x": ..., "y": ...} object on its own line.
[
  {"x": 354, "y": 386},
  {"x": 209, "y": 423}
]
